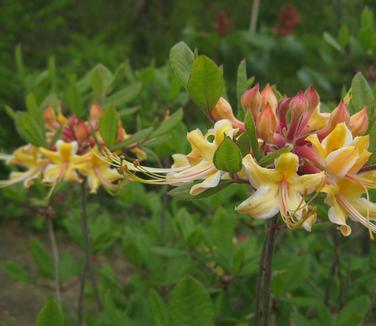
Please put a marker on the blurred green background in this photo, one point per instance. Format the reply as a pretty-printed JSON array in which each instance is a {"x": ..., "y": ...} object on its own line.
[{"x": 143, "y": 239}]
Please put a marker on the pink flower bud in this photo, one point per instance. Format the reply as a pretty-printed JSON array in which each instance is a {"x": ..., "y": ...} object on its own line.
[
  {"x": 312, "y": 98},
  {"x": 266, "y": 124},
  {"x": 251, "y": 100},
  {"x": 81, "y": 131},
  {"x": 358, "y": 123},
  {"x": 268, "y": 97},
  {"x": 340, "y": 114},
  {"x": 49, "y": 117},
  {"x": 95, "y": 114}
]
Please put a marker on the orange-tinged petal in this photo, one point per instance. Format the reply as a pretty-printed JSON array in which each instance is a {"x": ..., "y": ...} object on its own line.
[
  {"x": 340, "y": 161},
  {"x": 339, "y": 137}
]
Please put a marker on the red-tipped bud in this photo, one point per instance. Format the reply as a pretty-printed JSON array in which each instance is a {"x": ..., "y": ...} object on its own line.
[
  {"x": 72, "y": 121},
  {"x": 268, "y": 97},
  {"x": 223, "y": 110},
  {"x": 95, "y": 115},
  {"x": 266, "y": 124},
  {"x": 49, "y": 117},
  {"x": 298, "y": 104},
  {"x": 312, "y": 97},
  {"x": 122, "y": 135},
  {"x": 358, "y": 123},
  {"x": 251, "y": 100},
  {"x": 81, "y": 131},
  {"x": 340, "y": 114}
]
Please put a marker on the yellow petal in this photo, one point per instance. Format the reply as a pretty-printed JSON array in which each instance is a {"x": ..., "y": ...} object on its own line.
[
  {"x": 308, "y": 183},
  {"x": 318, "y": 120},
  {"x": 286, "y": 165},
  {"x": 319, "y": 149},
  {"x": 339, "y": 137},
  {"x": 199, "y": 143},
  {"x": 258, "y": 175},
  {"x": 340, "y": 161},
  {"x": 180, "y": 160},
  {"x": 210, "y": 182},
  {"x": 262, "y": 204}
]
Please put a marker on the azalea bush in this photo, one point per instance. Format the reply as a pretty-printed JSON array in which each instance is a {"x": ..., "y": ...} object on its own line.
[{"x": 301, "y": 164}]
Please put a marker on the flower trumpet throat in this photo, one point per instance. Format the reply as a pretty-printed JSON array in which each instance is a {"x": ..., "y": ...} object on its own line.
[{"x": 280, "y": 190}]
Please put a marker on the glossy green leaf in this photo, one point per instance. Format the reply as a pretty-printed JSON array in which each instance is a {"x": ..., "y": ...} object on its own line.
[
  {"x": 50, "y": 315},
  {"x": 190, "y": 304},
  {"x": 108, "y": 126},
  {"x": 241, "y": 81},
  {"x": 251, "y": 133},
  {"x": 29, "y": 130},
  {"x": 181, "y": 59},
  {"x": 361, "y": 94},
  {"x": 205, "y": 85},
  {"x": 228, "y": 156},
  {"x": 123, "y": 96},
  {"x": 15, "y": 271},
  {"x": 168, "y": 124},
  {"x": 101, "y": 78},
  {"x": 73, "y": 98},
  {"x": 158, "y": 309}
]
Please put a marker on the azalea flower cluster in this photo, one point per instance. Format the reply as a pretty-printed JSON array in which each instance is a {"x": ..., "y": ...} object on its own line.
[
  {"x": 316, "y": 156},
  {"x": 72, "y": 154}
]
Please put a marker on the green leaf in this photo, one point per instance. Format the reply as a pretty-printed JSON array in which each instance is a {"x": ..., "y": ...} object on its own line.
[
  {"x": 353, "y": 312},
  {"x": 181, "y": 59},
  {"x": 269, "y": 159},
  {"x": 158, "y": 309},
  {"x": 108, "y": 126},
  {"x": 19, "y": 63},
  {"x": 15, "y": 271},
  {"x": 137, "y": 137},
  {"x": 42, "y": 258},
  {"x": 123, "y": 96},
  {"x": 182, "y": 192},
  {"x": 361, "y": 94},
  {"x": 372, "y": 148},
  {"x": 205, "y": 84},
  {"x": 251, "y": 133},
  {"x": 223, "y": 232},
  {"x": 101, "y": 78},
  {"x": 228, "y": 156},
  {"x": 29, "y": 129},
  {"x": 168, "y": 124},
  {"x": 73, "y": 98},
  {"x": 190, "y": 304},
  {"x": 332, "y": 42},
  {"x": 10, "y": 112},
  {"x": 241, "y": 81},
  {"x": 50, "y": 315}
]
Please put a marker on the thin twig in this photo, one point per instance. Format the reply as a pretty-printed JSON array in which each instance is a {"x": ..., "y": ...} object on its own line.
[
  {"x": 87, "y": 247},
  {"x": 254, "y": 16},
  {"x": 55, "y": 254},
  {"x": 81, "y": 296},
  {"x": 270, "y": 237},
  {"x": 260, "y": 278}
]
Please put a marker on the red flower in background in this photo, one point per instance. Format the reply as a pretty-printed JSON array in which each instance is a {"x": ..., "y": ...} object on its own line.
[
  {"x": 288, "y": 18},
  {"x": 223, "y": 24}
]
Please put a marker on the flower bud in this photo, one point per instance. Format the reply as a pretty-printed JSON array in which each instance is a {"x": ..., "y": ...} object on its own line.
[
  {"x": 95, "y": 114},
  {"x": 268, "y": 97},
  {"x": 358, "y": 123},
  {"x": 266, "y": 124},
  {"x": 81, "y": 131},
  {"x": 298, "y": 105},
  {"x": 49, "y": 117},
  {"x": 340, "y": 114},
  {"x": 312, "y": 98},
  {"x": 251, "y": 100},
  {"x": 223, "y": 110}
]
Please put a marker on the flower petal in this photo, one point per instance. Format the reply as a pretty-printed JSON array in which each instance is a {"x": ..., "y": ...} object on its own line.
[
  {"x": 263, "y": 204},
  {"x": 210, "y": 182},
  {"x": 258, "y": 175}
]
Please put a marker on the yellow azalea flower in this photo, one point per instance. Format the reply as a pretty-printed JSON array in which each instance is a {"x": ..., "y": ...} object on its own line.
[
  {"x": 27, "y": 156},
  {"x": 345, "y": 200},
  {"x": 280, "y": 190},
  {"x": 197, "y": 165},
  {"x": 97, "y": 171},
  {"x": 62, "y": 162},
  {"x": 339, "y": 153}
]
